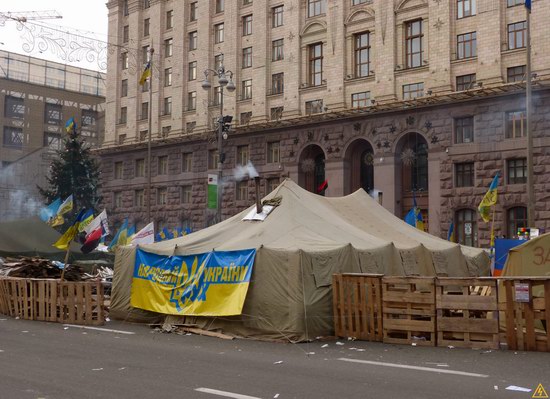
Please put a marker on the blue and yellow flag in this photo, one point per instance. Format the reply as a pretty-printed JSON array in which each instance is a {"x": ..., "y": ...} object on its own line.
[
  {"x": 86, "y": 219},
  {"x": 48, "y": 212},
  {"x": 70, "y": 125},
  {"x": 121, "y": 237},
  {"x": 451, "y": 232},
  {"x": 146, "y": 73},
  {"x": 69, "y": 235},
  {"x": 489, "y": 200},
  {"x": 207, "y": 284},
  {"x": 528, "y": 4},
  {"x": 414, "y": 217}
]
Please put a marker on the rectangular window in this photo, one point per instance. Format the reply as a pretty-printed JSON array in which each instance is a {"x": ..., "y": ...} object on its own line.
[
  {"x": 220, "y": 5},
  {"x": 125, "y": 11},
  {"x": 140, "y": 167},
  {"x": 186, "y": 194},
  {"x": 193, "y": 11},
  {"x": 512, "y": 3},
  {"x": 124, "y": 88},
  {"x": 213, "y": 159},
  {"x": 193, "y": 36},
  {"x": 278, "y": 83},
  {"x": 247, "y": 57},
  {"x": 247, "y": 2},
  {"x": 139, "y": 198},
  {"x": 246, "y": 89},
  {"x": 14, "y": 107},
  {"x": 124, "y": 60},
  {"x": 145, "y": 54},
  {"x": 218, "y": 62},
  {"x": 162, "y": 196},
  {"x": 117, "y": 199},
  {"x": 143, "y": 135},
  {"x": 464, "y": 174},
  {"x": 414, "y": 42},
  {"x": 168, "y": 47},
  {"x": 466, "y": 8},
  {"x": 315, "y": 64},
  {"x": 276, "y": 113},
  {"x": 359, "y": 100},
  {"x": 218, "y": 33},
  {"x": 362, "y": 54},
  {"x": 464, "y": 130},
  {"x": 126, "y": 34},
  {"x": 52, "y": 141},
  {"x": 273, "y": 152},
  {"x": 245, "y": 118},
  {"x": 191, "y": 101},
  {"x": 516, "y": 35},
  {"x": 241, "y": 193},
  {"x": 217, "y": 95},
  {"x": 166, "y": 131},
  {"x": 167, "y": 77},
  {"x": 466, "y": 45},
  {"x": 190, "y": 126},
  {"x": 146, "y": 3},
  {"x": 247, "y": 25},
  {"x": 187, "y": 162},
  {"x": 515, "y": 124},
  {"x": 144, "y": 111},
  {"x": 169, "y": 19},
  {"x": 53, "y": 114},
  {"x": 413, "y": 91},
  {"x": 123, "y": 115},
  {"x": 88, "y": 118},
  {"x": 277, "y": 52},
  {"x": 516, "y": 74},
  {"x": 316, "y": 7},
  {"x": 314, "y": 107},
  {"x": 517, "y": 171},
  {"x": 118, "y": 170},
  {"x": 242, "y": 155},
  {"x": 272, "y": 183},
  {"x": 162, "y": 165},
  {"x": 192, "y": 72},
  {"x": 167, "y": 109},
  {"x": 357, "y": 2},
  {"x": 465, "y": 82},
  {"x": 277, "y": 16},
  {"x": 146, "y": 27}
]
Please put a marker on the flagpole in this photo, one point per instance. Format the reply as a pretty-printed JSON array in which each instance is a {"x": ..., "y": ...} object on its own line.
[
  {"x": 152, "y": 51},
  {"x": 529, "y": 133},
  {"x": 66, "y": 260}
]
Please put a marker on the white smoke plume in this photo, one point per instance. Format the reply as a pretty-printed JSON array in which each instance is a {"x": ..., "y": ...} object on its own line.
[{"x": 241, "y": 172}]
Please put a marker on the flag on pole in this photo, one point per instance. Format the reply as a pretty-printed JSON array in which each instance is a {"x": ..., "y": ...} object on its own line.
[
  {"x": 86, "y": 220},
  {"x": 70, "y": 125},
  {"x": 322, "y": 187},
  {"x": 66, "y": 206},
  {"x": 130, "y": 235},
  {"x": 489, "y": 200},
  {"x": 65, "y": 240},
  {"x": 146, "y": 73},
  {"x": 451, "y": 232},
  {"x": 50, "y": 211},
  {"x": 145, "y": 235},
  {"x": 528, "y": 4},
  {"x": 92, "y": 240},
  {"x": 414, "y": 217},
  {"x": 100, "y": 220},
  {"x": 120, "y": 237}
]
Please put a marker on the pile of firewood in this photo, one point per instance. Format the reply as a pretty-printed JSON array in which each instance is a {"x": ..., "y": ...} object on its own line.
[{"x": 27, "y": 267}]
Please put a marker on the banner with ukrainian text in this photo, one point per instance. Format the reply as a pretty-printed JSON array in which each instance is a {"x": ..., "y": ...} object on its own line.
[{"x": 208, "y": 284}]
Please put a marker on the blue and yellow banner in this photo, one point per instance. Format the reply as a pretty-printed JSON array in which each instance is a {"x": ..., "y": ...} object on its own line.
[{"x": 208, "y": 284}]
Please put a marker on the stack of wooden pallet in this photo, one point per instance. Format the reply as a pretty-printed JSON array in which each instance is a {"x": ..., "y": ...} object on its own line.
[{"x": 31, "y": 267}]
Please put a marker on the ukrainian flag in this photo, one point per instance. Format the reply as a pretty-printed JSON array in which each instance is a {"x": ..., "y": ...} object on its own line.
[
  {"x": 146, "y": 73},
  {"x": 65, "y": 240},
  {"x": 414, "y": 217},
  {"x": 86, "y": 219},
  {"x": 451, "y": 232},
  {"x": 66, "y": 206},
  {"x": 121, "y": 237},
  {"x": 70, "y": 126},
  {"x": 489, "y": 200}
]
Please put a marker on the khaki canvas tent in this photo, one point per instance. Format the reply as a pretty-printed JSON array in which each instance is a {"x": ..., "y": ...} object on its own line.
[{"x": 300, "y": 245}]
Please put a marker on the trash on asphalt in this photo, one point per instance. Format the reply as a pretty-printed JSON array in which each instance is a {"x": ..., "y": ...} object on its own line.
[
  {"x": 518, "y": 389},
  {"x": 278, "y": 362}
]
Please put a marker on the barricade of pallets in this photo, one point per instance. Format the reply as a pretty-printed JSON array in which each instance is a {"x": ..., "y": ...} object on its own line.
[{"x": 53, "y": 300}]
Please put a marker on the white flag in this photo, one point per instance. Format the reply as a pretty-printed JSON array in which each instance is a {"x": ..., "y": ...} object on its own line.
[
  {"x": 100, "y": 220},
  {"x": 145, "y": 235}
]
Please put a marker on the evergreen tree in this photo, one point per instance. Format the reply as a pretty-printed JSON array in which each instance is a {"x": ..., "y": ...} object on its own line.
[{"x": 74, "y": 171}]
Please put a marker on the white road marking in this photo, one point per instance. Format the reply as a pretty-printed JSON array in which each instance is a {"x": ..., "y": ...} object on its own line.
[
  {"x": 404, "y": 366},
  {"x": 226, "y": 394},
  {"x": 100, "y": 329}
]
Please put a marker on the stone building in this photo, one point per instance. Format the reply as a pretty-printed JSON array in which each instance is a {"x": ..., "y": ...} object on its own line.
[
  {"x": 37, "y": 97},
  {"x": 413, "y": 98}
]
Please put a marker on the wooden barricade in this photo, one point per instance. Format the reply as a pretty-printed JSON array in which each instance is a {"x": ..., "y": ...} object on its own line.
[
  {"x": 527, "y": 315},
  {"x": 408, "y": 305},
  {"x": 53, "y": 300},
  {"x": 357, "y": 304},
  {"x": 465, "y": 317}
]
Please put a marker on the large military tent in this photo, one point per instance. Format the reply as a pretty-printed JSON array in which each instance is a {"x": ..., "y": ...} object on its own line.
[{"x": 300, "y": 245}]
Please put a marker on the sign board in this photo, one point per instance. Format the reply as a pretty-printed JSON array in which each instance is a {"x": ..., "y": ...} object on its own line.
[
  {"x": 521, "y": 292},
  {"x": 468, "y": 229}
]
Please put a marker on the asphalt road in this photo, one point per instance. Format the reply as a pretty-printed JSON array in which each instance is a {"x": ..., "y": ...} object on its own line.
[{"x": 47, "y": 360}]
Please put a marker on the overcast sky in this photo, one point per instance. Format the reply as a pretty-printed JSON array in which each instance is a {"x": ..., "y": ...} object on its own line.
[{"x": 83, "y": 15}]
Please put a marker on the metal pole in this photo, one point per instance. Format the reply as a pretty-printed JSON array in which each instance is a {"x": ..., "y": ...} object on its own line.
[
  {"x": 529, "y": 133},
  {"x": 220, "y": 158},
  {"x": 148, "y": 198}
]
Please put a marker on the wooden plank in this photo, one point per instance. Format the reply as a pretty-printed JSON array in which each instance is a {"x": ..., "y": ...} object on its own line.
[
  {"x": 100, "y": 304},
  {"x": 466, "y": 325},
  {"x": 335, "y": 302},
  {"x": 378, "y": 301},
  {"x": 547, "y": 312},
  {"x": 349, "y": 313},
  {"x": 511, "y": 338},
  {"x": 355, "y": 285},
  {"x": 529, "y": 322},
  {"x": 80, "y": 308},
  {"x": 54, "y": 307},
  {"x": 409, "y": 325},
  {"x": 364, "y": 304}
]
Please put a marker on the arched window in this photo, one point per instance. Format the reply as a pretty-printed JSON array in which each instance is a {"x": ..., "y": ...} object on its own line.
[
  {"x": 466, "y": 227},
  {"x": 516, "y": 217}
]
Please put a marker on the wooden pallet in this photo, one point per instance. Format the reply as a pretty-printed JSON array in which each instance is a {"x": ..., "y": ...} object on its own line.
[
  {"x": 409, "y": 310},
  {"x": 357, "y": 305},
  {"x": 467, "y": 313}
]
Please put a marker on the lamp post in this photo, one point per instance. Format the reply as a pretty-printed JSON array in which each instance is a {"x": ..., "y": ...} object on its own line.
[{"x": 221, "y": 74}]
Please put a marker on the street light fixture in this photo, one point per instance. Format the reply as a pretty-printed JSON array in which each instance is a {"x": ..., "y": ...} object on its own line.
[{"x": 221, "y": 74}]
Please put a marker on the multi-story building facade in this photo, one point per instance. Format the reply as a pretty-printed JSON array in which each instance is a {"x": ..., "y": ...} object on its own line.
[
  {"x": 37, "y": 97},
  {"x": 413, "y": 98}
]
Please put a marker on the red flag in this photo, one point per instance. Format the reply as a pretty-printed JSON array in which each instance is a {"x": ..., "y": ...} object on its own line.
[
  {"x": 92, "y": 240},
  {"x": 322, "y": 187}
]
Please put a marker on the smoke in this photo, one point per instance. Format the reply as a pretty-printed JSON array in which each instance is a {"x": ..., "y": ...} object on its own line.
[
  {"x": 22, "y": 204},
  {"x": 240, "y": 172}
]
